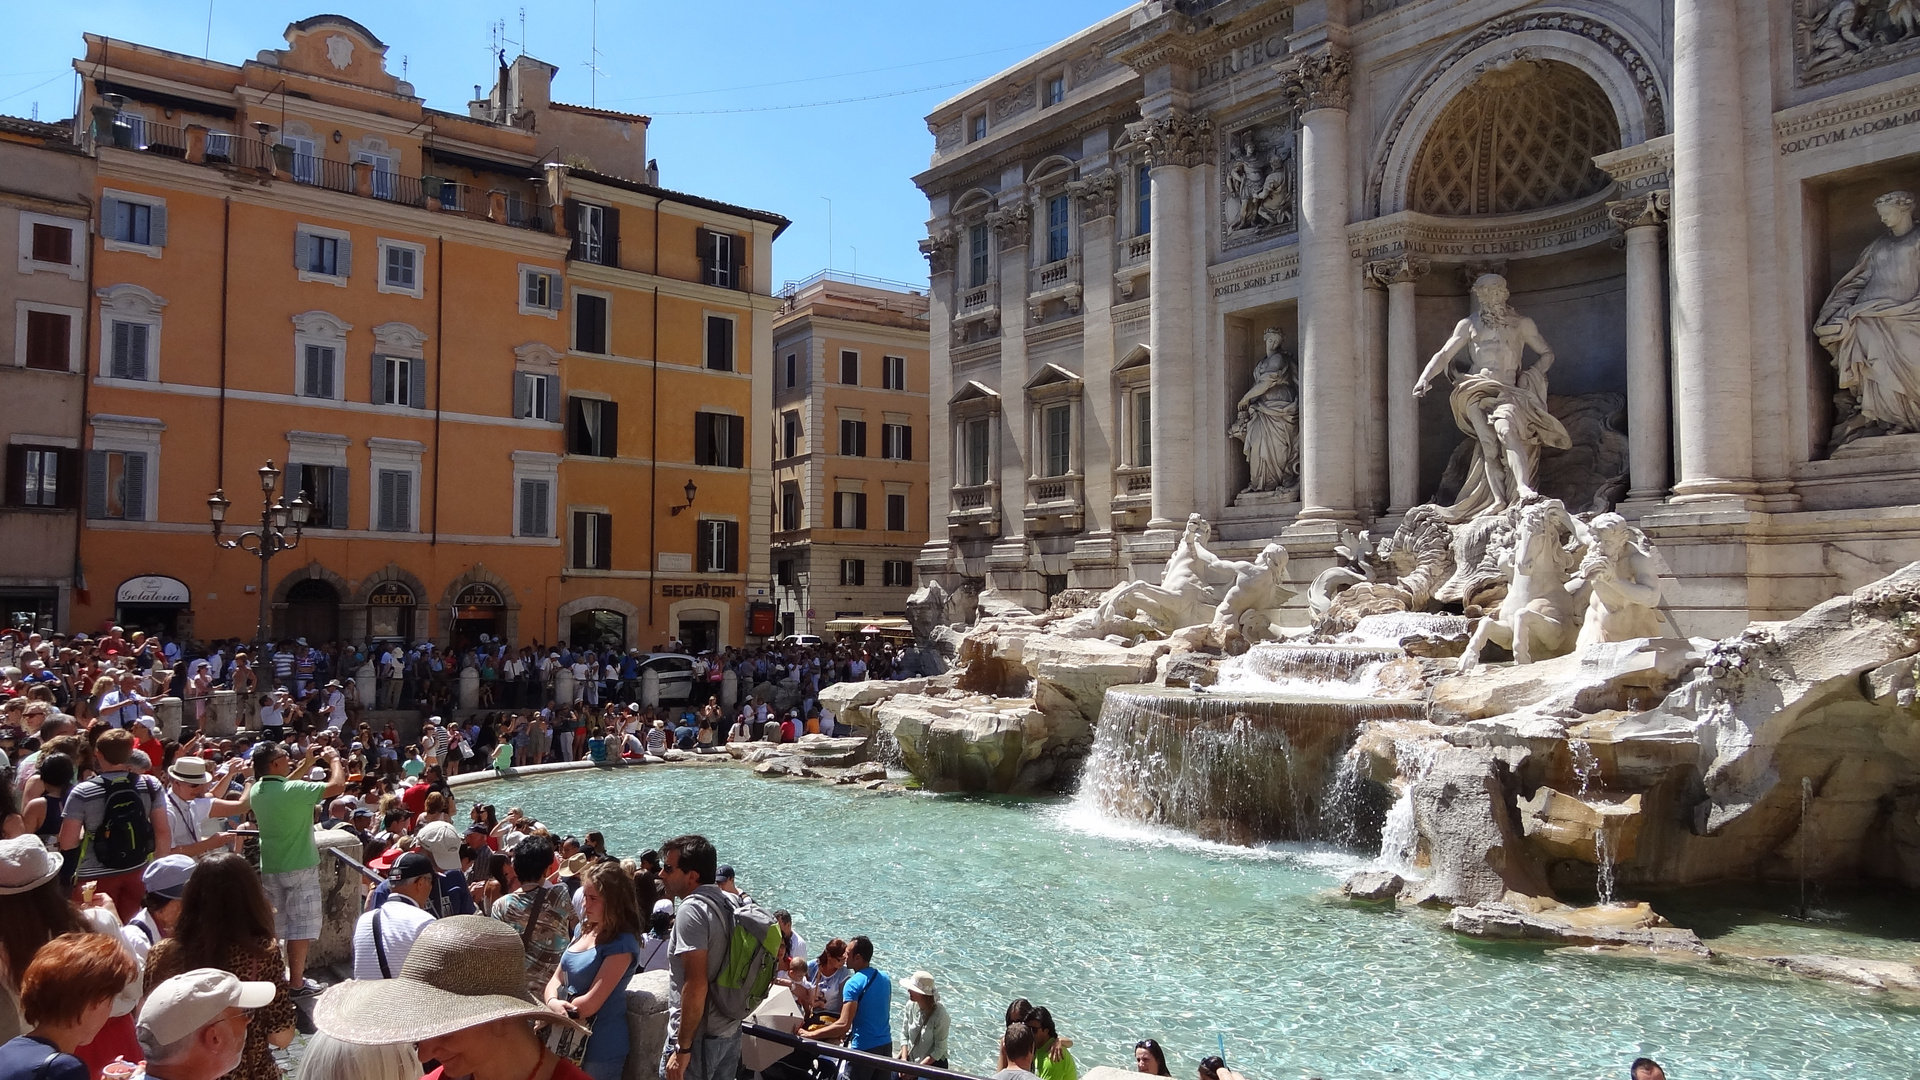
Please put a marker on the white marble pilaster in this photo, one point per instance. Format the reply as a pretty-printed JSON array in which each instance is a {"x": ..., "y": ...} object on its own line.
[
  {"x": 1013, "y": 238},
  {"x": 1647, "y": 431},
  {"x": 1316, "y": 82},
  {"x": 1098, "y": 197},
  {"x": 1401, "y": 276},
  {"x": 1712, "y": 311}
]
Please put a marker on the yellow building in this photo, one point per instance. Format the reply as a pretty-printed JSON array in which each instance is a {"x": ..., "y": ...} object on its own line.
[{"x": 850, "y": 448}]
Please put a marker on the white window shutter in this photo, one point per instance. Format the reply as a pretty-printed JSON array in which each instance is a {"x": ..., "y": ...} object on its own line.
[
  {"x": 110, "y": 217},
  {"x": 345, "y": 267},
  {"x": 157, "y": 227},
  {"x": 302, "y": 250}
]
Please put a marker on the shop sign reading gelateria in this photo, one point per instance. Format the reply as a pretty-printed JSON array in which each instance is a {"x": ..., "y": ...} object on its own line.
[
  {"x": 703, "y": 590},
  {"x": 391, "y": 594},
  {"x": 153, "y": 589}
]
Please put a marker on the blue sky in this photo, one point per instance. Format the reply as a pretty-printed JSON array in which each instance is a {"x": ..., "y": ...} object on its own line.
[{"x": 674, "y": 62}]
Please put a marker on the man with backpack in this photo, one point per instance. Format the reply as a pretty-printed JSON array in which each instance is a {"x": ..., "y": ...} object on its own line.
[
  {"x": 538, "y": 910},
  {"x": 722, "y": 958},
  {"x": 122, "y": 818}
]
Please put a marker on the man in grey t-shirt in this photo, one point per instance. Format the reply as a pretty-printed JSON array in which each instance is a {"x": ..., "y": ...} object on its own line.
[{"x": 699, "y": 1046}]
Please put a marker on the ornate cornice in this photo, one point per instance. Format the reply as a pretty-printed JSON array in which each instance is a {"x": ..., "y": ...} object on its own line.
[
  {"x": 1640, "y": 211},
  {"x": 1568, "y": 227},
  {"x": 1398, "y": 269},
  {"x": 1012, "y": 225},
  {"x": 939, "y": 249},
  {"x": 1098, "y": 195},
  {"x": 1173, "y": 139},
  {"x": 1320, "y": 79}
]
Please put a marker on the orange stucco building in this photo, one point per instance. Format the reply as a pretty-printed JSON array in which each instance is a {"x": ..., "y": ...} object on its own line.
[{"x": 296, "y": 260}]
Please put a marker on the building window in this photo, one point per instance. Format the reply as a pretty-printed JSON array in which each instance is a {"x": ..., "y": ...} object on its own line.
[
  {"x": 592, "y": 540},
  {"x": 536, "y": 503},
  {"x": 789, "y": 434},
  {"x": 539, "y": 292},
  {"x": 1143, "y": 202},
  {"x": 896, "y": 514},
  {"x": 400, "y": 380},
  {"x": 783, "y": 572},
  {"x": 793, "y": 369},
  {"x": 48, "y": 243},
  {"x": 40, "y": 476},
  {"x": 893, "y": 372},
  {"x": 594, "y": 428},
  {"x": 1143, "y": 429},
  {"x": 849, "y": 367},
  {"x": 535, "y": 397},
  {"x": 976, "y": 256},
  {"x": 317, "y": 372},
  {"x": 1057, "y": 230},
  {"x": 719, "y": 440},
  {"x": 853, "y": 571},
  {"x": 117, "y": 485},
  {"x": 849, "y": 509},
  {"x": 395, "y": 498},
  {"x": 896, "y": 442},
  {"x": 136, "y": 222},
  {"x": 789, "y": 506},
  {"x": 130, "y": 351},
  {"x": 1056, "y": 91},
  {"x": 976, "y": 127},
  {"x": 1059, "y": 435},
  {"x": 306, "y": 158},
  {"x": 400, "y": 265},
  {"x": 719, "y": 546},
  {"x": 899, "y": 573},
  {"x": 322, "y": 255},
  {"x": 979, "y": 446},
  {"x": 325, "y": 489},
  {"x": 719, "y": 343},
  {"x": 853, "y": 438},
  {"x": 48, "y": 343},
  {"x": 590, "y": 323},
  {"x": 720, "y": 258},
  {"x": 596, "y": 233}
]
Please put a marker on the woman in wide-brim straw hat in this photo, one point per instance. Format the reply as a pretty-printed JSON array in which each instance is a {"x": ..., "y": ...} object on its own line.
[
  {"x": 927, "y": 1023},
  {"x": 462, "y": 997}
]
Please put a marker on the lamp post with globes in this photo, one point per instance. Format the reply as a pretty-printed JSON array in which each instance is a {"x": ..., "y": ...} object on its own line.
[{"x": 271, "y": 539}]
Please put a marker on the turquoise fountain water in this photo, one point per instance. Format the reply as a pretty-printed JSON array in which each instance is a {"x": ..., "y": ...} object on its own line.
[{"x": 1129, "y": 933}]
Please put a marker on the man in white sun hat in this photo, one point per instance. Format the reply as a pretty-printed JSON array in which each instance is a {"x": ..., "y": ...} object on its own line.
[{"x": 194, "y": 1026}]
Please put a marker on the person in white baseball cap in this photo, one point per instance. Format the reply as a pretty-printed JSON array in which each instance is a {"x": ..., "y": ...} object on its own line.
[{"x": 194, "y": 1026}]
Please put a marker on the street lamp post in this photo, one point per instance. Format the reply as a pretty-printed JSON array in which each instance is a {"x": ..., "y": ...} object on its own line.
[{"x": 271, "y": 539}]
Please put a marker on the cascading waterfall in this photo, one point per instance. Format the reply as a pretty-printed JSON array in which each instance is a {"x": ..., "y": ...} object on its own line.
[
  {"x": 1339, "y": 672},
  {"x": 1400, "y": 835},
  {"x": 1239, "y": 767},
  {"x": 1586, "y": 767}
]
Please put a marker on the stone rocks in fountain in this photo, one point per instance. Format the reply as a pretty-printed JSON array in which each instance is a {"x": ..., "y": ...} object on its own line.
[
  {"x": 1851, "y": 971},
  {"x": 1562, "y": 826},
  {"x": 1612, "y": 675},
  {"x": 972, "y": 744},
  {"x": 1476, "y": 854},
  {"x": 1632, "y": 927},
  {"x": 1373, "y": 886}
]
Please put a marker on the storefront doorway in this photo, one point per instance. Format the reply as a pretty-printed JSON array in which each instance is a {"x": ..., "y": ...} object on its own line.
[
  {"x": 479, "y": 609},
  {"x": 599, "y": 628},
  {"x": 390, "y": 612},
  {"x": 699, "y": 635},
  {"x": 313, "y": 612},
  {"x": 29, "y": 609},
  {"x": 153, "y": 603}
]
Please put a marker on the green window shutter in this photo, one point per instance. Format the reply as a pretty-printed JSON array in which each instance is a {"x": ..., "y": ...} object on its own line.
[
  {"x": 96, "y": 483},
  {"x": 342, "y": 499},
  {"x": 703, "y": 439},
  {"x": 736, "y": 442},
  {"x": 136, "y": 480}
]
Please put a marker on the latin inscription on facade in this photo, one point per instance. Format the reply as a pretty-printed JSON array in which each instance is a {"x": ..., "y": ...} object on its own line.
[{"x": 1265, "y": 51}]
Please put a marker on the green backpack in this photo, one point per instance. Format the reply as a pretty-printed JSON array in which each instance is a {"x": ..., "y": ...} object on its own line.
[{"x": 753, "y": 954}]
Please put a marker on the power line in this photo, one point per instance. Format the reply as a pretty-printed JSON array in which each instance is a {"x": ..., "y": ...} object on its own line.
[
  {"x": 32, "y": 88},
  {"x": 824, "y": 78},
  {"x": 818, "y": 104}
]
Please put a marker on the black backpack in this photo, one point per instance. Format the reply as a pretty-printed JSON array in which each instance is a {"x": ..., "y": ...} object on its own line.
[{"x": 124, "y": 839}]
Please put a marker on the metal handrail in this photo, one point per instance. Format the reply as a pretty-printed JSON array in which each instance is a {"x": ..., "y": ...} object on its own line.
[
  {"x": 858, "y": 1057},
  {"x": 357, "y": 865}
]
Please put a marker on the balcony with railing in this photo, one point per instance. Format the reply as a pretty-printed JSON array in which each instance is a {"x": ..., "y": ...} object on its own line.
[
  {"x": 1057, "y": 281},
  {"x": 1056, "y": 502},
  {"x": 1132, "y": 489},
  {"x": 975, "y": 506},
  {"x": 1133, "y": 264}
]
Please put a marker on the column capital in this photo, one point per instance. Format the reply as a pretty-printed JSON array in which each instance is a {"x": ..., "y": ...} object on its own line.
[
  {"x": 1174, "y": 139},
  {"x": 1641, "y": 211},
  {"x": 1319, "y": 79},
  {"x": 939, "y": 248},
  {"x": 1098, "y": 195},
  {"x": 1397, "y": 270},
  {"x": 1012, "y": 225}
]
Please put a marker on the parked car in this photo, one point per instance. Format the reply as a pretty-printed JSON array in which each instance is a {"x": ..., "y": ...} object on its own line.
[
  {"x": 801, "y": 639},
  {"x": 676, "y": 676}
]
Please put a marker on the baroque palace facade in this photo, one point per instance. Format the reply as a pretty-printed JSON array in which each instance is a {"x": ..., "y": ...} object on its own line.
[
  {"x": 452, "y": 333},
  {"x": 1194, "y": 258}
]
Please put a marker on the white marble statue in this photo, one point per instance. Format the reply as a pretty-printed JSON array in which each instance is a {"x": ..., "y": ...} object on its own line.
[
  {"x": 1871, "y": 324},
  {"x": 1622, "y": 576},
  {"x": 1259, "y": 192},
  {"x": 1537, "y": 620},
  {"x": 1267, "y": 422},
  {"x": 1502, "y": 406},
  {"x": 1258, "y": 587},
  {"x": 1183, "y": 596}
]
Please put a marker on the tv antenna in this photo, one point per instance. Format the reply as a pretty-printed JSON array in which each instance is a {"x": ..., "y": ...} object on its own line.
[{"x": 593, "y": 57}]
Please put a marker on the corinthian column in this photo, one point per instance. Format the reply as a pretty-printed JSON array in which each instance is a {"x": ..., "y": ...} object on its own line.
[
  {"x": 1712, "y": 317},
  {"x": 1641, "y": 217},
  {"x": 1176, "y": 145},
  {"x": 1316, "y": 83},
  {"x": 1401, "y": 275}
]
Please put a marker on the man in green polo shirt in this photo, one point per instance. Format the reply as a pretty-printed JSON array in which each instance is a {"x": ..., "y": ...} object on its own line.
[{"x": 289, "y": 859}]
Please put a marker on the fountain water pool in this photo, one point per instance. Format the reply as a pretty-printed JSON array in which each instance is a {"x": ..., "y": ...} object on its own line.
[{"x": 1127, "y": 932}]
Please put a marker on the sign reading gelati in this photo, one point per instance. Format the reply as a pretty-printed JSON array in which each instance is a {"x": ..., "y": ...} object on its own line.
[
  {"x": 153, "y": 589},
  {"x": 479, "y": 594},
  {"x": 391, "y": 594},
  {"x": 702, "y": 590}
]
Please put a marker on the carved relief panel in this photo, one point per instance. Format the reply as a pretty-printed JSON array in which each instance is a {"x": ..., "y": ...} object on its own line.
[
  {"x": 1259, "y": 183},
  {"x": 1835, "y": 37}
]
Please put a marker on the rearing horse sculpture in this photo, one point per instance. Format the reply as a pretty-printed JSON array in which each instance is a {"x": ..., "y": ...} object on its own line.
[{"x": 1539, "y": 618}]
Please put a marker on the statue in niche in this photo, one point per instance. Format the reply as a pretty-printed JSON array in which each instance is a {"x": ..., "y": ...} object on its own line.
[
  {"x": 1622, "y": 576},
  {"x": 1267, "y": 422},
  {"x": 1871, "y": 325},
  {"x": 1259, "y": 188},
  {"x": 1502, "y": 406}
]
